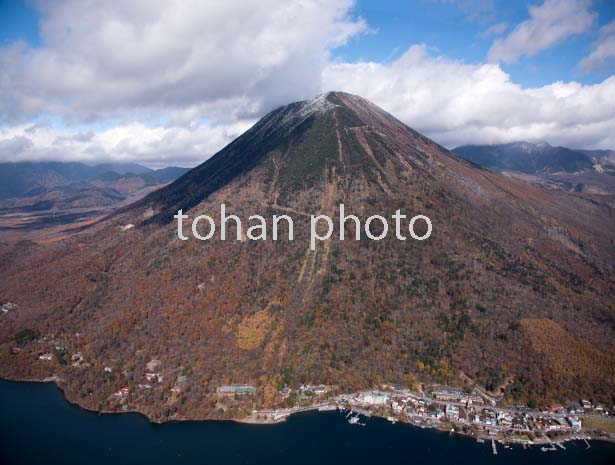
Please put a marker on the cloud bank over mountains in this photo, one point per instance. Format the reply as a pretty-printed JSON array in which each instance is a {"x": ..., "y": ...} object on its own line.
[
  {"x": 171, "y": 82},
  {"x": 457, "y": 103}
]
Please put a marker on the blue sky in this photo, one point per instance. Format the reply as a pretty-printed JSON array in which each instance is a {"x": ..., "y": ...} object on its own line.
[
  {"x": 174, "y": 82},
  {"x": 459, "y": 31},
  {"x": 456, "y": 30},
  {"x": 18, "y": 21}
]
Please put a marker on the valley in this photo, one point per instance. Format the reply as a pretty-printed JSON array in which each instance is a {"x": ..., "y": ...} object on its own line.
[{"x": 43, "y": 201}]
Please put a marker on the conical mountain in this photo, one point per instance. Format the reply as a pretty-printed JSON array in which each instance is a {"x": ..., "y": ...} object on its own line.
[
  {"x": 512, "y": 290},
  {"x": 336, "y": 134}
]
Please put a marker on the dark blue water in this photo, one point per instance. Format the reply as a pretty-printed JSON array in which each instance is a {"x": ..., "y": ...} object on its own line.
[{"x": 38, "y": 426}]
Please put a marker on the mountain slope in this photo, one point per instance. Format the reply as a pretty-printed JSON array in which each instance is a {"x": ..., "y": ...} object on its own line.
[
  {"x": 473, "y": 299},
  {"x": 599, "y": 156}
]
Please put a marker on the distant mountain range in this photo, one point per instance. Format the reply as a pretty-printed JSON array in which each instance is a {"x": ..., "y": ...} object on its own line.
[
  {"x": 538, "y": 158},
  {"x": 591, "y": 172},
  {"x": 27, "y": 179},
  {"x": 50, "y": 197}
]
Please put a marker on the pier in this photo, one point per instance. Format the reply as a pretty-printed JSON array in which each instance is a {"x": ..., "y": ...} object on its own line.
[{"x": 588, "y": 445}]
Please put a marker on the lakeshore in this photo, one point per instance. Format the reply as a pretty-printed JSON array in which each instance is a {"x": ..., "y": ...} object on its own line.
[
  {"x": 472, "y": 414},
  {"x": 39, "y": 426},
  {"x": 496, "y": 424}
]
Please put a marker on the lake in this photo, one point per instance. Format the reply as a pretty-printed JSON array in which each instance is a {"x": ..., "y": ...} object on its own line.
[{"x": 38, "y": 426}]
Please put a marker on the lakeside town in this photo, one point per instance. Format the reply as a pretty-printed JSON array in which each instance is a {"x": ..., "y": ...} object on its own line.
[
  {"x": 468, "y": 410},
  {"x": 455, "y": 410}
]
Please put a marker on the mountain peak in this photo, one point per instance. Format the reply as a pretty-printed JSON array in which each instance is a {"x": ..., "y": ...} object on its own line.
[
  {"x": 329, "y": 101},
  {"x": 322, "y": 104},
  {"x": 304, "y": 142},
  {"x": 319, "y": 105}
]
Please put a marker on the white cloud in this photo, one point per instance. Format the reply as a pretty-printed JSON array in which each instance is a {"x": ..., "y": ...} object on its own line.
[
  {"x": 206, "y": 68},
  {"x": 452, "y": 102},
  {"x": 171, "y": 82},
  {"x": 495, "y": 30},
  {"x": 549, "y": 23},
  {"x": 101, "y": 59},
  {"x": 603, "y": 49},
  {"x": 456, "y": 103},
  {"x": 155, "y": 146},
  {"x": 474, "y": 10}
]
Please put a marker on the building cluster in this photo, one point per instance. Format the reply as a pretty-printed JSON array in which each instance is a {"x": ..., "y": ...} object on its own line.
[
  {"x": 7, "y": 307},
  {"x": 76, "y": 359},
  {"x": 586, "y": 407},
  {"x": 236, "y": 390},
  {"x": 372, "y": 398},
  {"x": 583, "y": 407},
  {"x": 122, "y": 392},
  {"x": 152, "y": 375},
  {"x": 181, "y": 379},
  {"x": 306, "y": 391},
  {"x": 463, "y": 408},
  {"x": 313, "y": 389},
  {"x": 444, "y": 394},
  {"x": 521, "y": 421},
  {"x": 59, "y": 346}
]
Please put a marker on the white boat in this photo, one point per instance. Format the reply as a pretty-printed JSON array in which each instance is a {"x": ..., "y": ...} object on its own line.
[
  {"x": 354, "y": 420},
  {"x": 547, "y": 449},
  {"x": 392, "y": 419}
]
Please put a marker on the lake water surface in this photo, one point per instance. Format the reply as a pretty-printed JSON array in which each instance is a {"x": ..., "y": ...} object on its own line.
[{"x": 37, "y": 426}]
